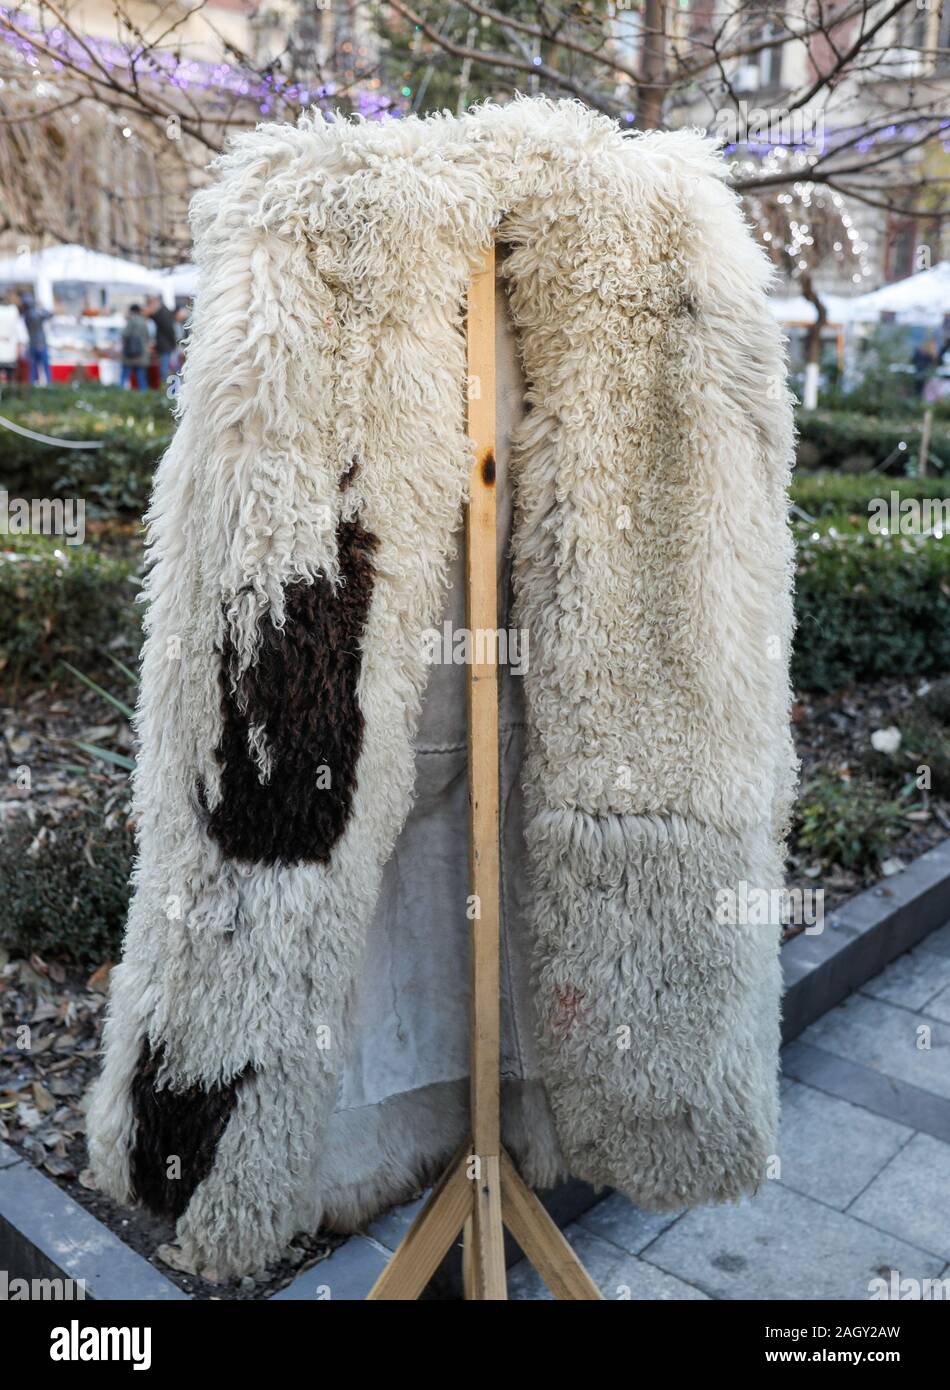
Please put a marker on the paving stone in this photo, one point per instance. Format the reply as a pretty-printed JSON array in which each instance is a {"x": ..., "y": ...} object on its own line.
[
  {"x": 884, "y": 1037},
  {"x": 911, "y": 980},
  {"x": 390, "y": 1228},
  {"x": 938, "y": 941},
  {"x": 616, "y": 1219},
  {"x": 618, "y": 1275},
  {"x": 911, "y": 1196},
  {"x": 939, "y": 1006},
  {"x": 907, "y": 1105},
  {"x": 346, "y": 1276},
  {"x": 831, "y": 1150},
  {"x": 783, "y": 1246}
]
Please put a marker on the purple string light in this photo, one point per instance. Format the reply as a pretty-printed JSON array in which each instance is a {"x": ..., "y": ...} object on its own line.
[{"x": 166, "y": 70}]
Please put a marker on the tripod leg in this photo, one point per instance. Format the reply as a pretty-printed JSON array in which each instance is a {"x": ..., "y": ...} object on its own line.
[
  {"x": 541, "y": 1240},
  {"x": 430, "y": 1235}
]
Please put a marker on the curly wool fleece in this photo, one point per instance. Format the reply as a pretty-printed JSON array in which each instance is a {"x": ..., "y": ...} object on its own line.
[{"x": 300, "y": 532}]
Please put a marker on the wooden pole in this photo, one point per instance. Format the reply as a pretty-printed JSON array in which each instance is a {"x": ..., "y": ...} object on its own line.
[
  {"x": 481, "y": 1190},
  {"x": 481, "y": 617},
  {"x": 485, "y": 1233}
]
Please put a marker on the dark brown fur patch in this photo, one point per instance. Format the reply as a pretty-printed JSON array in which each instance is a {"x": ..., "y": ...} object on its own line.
[
  {"x": 350, "y": 475},
  {"x": 302, "y": 692},
  {"x": 186, "y": 1125}
]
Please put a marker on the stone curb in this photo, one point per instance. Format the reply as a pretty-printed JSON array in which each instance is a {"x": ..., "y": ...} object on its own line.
[
  {"x": 46, "y": 1234},
  {"x": 862, "y": 937}
]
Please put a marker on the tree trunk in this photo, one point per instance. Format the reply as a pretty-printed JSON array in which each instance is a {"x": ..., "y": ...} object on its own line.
[
  {"x": 652, "y": 88},
  {"x": 813, "y": 344}
]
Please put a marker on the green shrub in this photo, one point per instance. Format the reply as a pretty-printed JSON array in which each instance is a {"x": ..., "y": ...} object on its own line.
[
  {"x": 857, "y": 442},
  {"x": 836, "y": 496},
  {"x": 871, "y": 606},
  {"x": 886, "y": 385},
  {"x": 65, "y": 886},
  {"x": 90, "y": 394},
  {"x": 134, "y": 428},
  {"x": 846, "y": 822},
  {"x": 63, "y": 602}
]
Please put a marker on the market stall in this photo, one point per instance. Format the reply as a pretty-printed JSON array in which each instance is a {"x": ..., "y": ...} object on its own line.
[{"x": 88, "y": 294}]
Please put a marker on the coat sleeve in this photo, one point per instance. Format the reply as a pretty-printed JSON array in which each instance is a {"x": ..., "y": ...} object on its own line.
[
  {"x": 223, "y": 1039},
  {"x": 299, "y": 534},
  {"x": 654, "y": 574}
]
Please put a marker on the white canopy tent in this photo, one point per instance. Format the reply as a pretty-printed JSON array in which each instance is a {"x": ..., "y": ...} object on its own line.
[
  {"x": 77, "y": 265},
  {"x": 919, "y": 301},
  {"x": 922, "y": 299},
  {"x": 797, "y": 310},
  {"x": 181, "y": 282}
]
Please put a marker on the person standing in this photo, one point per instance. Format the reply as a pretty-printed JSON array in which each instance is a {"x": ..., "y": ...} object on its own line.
[
  {"x": 13, "y": 337},
  {"x": 135, "y": 349},
  {"x": 923, "y": 360},
  {"x": 166, "y": 339},
  {"x": 37, "y": 348}
]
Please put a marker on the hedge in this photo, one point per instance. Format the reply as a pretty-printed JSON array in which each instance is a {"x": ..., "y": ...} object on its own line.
[
  {"x": 827, "y": 494},
  {"x": 858, "y": 442},
  {"x": 90, "y": 395},
  {"x": 63, "y": 602},
  {"x": 133, "y": 427},
  {"x": 871, "y": 606},
  {"x": 65, "y": 886},
  {"x": 866, "y": 605}
]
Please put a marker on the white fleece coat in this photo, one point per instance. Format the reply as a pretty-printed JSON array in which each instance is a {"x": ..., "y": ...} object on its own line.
[{"x": 301, "y": 530}]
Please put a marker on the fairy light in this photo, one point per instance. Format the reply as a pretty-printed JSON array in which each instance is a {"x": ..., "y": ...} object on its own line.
[
  {"x": 268, "y": 91},
  {"x": 805, "y": 197}
]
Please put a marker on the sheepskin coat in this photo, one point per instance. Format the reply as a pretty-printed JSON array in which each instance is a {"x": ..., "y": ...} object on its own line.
[{"x": 302, "y": 533}]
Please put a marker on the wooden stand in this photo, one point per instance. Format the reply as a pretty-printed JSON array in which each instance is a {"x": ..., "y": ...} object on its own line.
[{"x": 481, "y": 1190}]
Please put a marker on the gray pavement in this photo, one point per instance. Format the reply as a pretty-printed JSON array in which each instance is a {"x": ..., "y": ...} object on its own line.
[{"x": 862, "y": 1188}]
